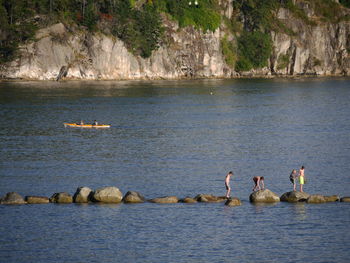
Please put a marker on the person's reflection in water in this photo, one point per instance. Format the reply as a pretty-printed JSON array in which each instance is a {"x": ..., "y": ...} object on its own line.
[{"x": 300, "y": 211}]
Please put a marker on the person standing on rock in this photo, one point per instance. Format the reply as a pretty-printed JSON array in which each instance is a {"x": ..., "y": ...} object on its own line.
[
  {"x": 257, "y": 181},
  {"x": 227, "y": 184},
  {"x": 301, "y": 178},
  {"x": 292, "y": 178}
]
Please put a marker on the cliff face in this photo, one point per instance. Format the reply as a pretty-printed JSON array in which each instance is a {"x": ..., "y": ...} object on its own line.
[{"x": 321, "y": 49}]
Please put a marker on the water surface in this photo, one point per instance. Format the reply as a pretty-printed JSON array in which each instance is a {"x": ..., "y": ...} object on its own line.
[{"x": 175, "y": 138}]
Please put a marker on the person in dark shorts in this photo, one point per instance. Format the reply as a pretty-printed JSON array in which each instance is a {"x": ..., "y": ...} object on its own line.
[{"x": 292, "y": 177}]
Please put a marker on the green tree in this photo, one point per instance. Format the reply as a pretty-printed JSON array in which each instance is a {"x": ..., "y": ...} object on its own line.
[{"x": 254, "y": 49}]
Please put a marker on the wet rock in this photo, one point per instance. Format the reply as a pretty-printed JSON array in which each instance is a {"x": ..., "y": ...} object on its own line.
[
  {"x": 332, "y": 198},
  {"x": 82, "y": 195},
  {"x": 37, "y": 199},
  {"x": 133, "y": 197},
  {"x": 316, "y": 199},
  {"x": 62, "y": 198},
  {"x": 345, "y": 199},
  {"x": 210, "y": 198},
  {"x": 188, "y": 200},
  {"x": 165, "y": 200},
  {"x": 264, "y": 196},
  {"x": 294, "y": 197},
  {"x": 234, "y": 201},
  {"x": 12, "y": 198},
  {"x": 109, "y": 194}
]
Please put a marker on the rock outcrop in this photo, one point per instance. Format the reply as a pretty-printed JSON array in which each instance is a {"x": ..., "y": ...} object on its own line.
[
  {"x": 264, "y": 196},
  {"x": 165, "y": 200},
  {"x": 234, "y": 201},
  {"x": 109, "y": 194},
  {"x": 133, "y": 197},
  {"x": 294, "y": 197},
  {"x": 82, "y": 195},
  {"x": 12, "y": 198},
  {"x": 37, "y": 200},
  {"x": 71, "y": 52},
  {"x": 61, "y": 198}
]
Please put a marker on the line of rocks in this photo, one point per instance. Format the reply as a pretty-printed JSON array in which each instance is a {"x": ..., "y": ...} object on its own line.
[{"x": 114, "y": 195}]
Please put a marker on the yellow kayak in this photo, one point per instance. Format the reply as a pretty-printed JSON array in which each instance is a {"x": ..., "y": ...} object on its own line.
[{"x": 75, "y": 125}]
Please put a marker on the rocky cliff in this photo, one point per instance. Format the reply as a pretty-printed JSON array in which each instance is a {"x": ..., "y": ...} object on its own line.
[{"x": 321, "y": 48}]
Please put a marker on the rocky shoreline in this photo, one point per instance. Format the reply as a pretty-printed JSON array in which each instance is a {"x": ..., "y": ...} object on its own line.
[{"x": 112, "y": 195}]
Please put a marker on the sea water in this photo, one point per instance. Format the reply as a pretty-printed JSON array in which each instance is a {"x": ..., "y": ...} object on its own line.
[{"x": 175, "y": 138}]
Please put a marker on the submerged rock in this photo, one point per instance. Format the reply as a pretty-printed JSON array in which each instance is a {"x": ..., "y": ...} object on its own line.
[
  {"x": 332, "y": 198},
  {"x": 109, "y": 194},
  {"x": 345, "y": 199},
  {"x": 165, "y": 200},
  {"x": 206, "y": 198},
  {"x": 12, "y": 198},
  {"x": 82, "y": 195},
  {"x": 37, "y": 199},
  {"x": 264, "y": 196},
  {"x": 294, "y": 197},
  {"x": 234, "y": 201},
  {"x": 316, "y": 199},
  {"x": 62, "y": 198},
  {"x": 133, "y": 197}
]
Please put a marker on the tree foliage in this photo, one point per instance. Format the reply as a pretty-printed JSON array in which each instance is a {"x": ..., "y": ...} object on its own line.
[{"x": 254, "y": 49}]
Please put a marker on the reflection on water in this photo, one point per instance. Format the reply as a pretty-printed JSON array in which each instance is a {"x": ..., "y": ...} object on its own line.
[
  {"x": 175, "y": 138},
  {"x": 300, "y": 211}
]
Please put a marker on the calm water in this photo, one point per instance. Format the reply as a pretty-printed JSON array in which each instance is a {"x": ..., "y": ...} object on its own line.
[{"x": 175, "y": 138}]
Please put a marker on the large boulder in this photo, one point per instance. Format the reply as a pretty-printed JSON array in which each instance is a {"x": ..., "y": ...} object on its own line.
[
  {"x": 316, "y": 199},
  {"x": 37, "y": 199},
  {"x": 206, "y": 198},
  {"x": 264, "y": 196},
  {"x": 61, "y": 198},
  {"x": 233, "y": 201},
  {"x": 133, "y": 197},
  {"x": 12, "y": 198},
  {"x": 82, "y": 195},
  {"x": 345, "y": 199},
  {"x": 165, "y": 200},
  {"x": 108, "y": 194},
  {"x": 332, "y": 198},
  {"x": 294, "y": 197}
]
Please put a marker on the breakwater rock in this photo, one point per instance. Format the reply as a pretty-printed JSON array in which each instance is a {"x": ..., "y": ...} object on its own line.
[
  {"x": 133, "y": 197},
  {"x": 114, "y": 195},
  {"x": 264, "y": 196},
  {"x": 294, "y": 197},
  {"x": 108, "y": 194},
  {"x": 233, "y": 201},
  {"x": 37, "y": 200},
  {"x": 12, "y": 198},
  {"x": 61, "y": 198},
  {"x": 165, "y": 200},
  {"x": 82, "y": 195}
]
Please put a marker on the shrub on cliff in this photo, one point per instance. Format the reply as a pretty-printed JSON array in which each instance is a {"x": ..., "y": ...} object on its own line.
[
  {"x": 254, "y": 49},
  {"x": 205, "y": 15}
]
